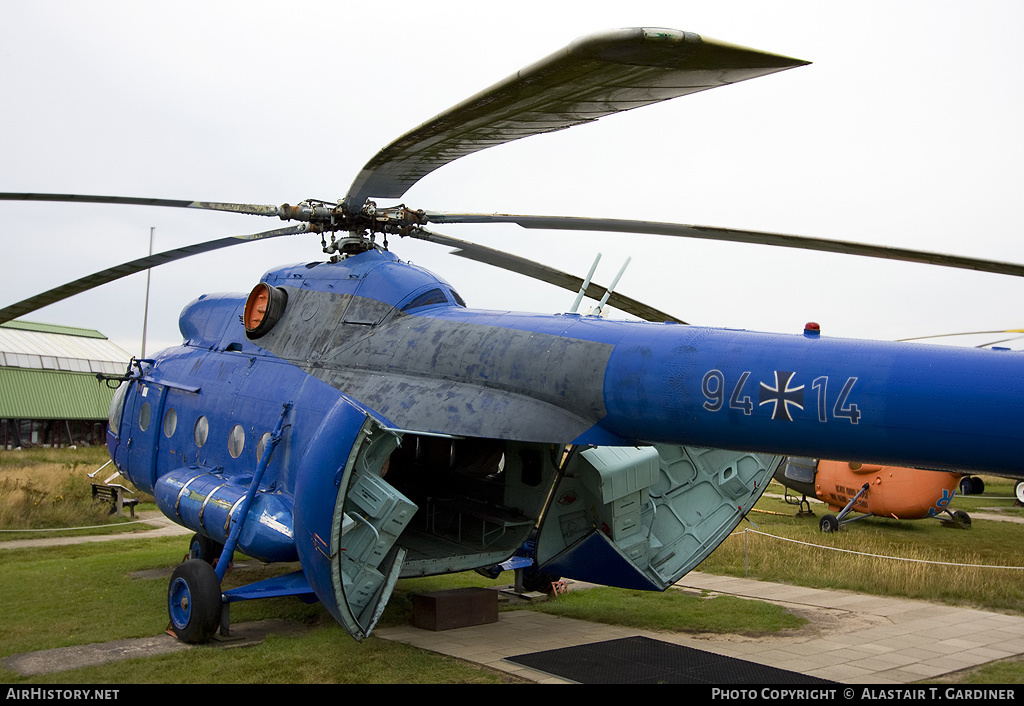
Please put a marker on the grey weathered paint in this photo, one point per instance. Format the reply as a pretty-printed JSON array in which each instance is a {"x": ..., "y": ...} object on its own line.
[{"x": 444, "y": 375}]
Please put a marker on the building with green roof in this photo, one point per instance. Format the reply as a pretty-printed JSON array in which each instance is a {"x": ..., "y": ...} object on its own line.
[{"x": 50, "y": 392}]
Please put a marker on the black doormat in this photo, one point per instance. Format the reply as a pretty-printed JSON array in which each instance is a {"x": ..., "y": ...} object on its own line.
[{"x": 642, "y": 660}]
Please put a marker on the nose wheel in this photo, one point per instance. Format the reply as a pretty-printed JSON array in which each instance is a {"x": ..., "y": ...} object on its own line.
[
  {"x": 194, "y": 602},
  {"x": 829, "y": 524}
]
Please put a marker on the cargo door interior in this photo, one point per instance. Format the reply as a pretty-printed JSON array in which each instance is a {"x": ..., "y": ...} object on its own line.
[
  {"x": 369, "y": 517},
  {"x": 642, "y": 517}
]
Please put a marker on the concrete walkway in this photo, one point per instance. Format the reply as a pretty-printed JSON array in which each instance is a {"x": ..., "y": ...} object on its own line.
[
  {"x": 852, "y": 638},
  {"x": 147, "y": 520}
]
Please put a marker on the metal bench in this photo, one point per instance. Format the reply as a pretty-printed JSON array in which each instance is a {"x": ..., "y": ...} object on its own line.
[{"x": 115, "y": 495}]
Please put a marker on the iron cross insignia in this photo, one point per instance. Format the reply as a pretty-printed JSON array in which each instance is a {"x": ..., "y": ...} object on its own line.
[{"x": 782, "y": 395}]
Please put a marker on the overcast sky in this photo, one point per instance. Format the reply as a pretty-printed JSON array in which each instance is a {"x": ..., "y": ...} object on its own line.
[{"x": 906, "y": 131}]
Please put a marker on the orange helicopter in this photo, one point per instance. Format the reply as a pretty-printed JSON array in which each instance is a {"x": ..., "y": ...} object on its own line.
[{"x": 871, "y": 490}]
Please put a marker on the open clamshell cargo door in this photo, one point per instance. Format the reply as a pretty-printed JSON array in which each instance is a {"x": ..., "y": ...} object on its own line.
[
  {"x": 348, "y": 518},
  {"x": 369, "y": 517},
  {"x": 642, "y": 517}
]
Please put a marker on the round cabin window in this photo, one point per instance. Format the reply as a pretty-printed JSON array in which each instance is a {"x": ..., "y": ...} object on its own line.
[
  {"x": 201, "y": 431},
  {"x": 236, "y": 441},
  {"x": 170, "y": 422},
  {"x": 262, "y": 445}
]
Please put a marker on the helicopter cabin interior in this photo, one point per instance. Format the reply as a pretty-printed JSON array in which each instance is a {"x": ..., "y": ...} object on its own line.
[{"x": 456, "y": 504}]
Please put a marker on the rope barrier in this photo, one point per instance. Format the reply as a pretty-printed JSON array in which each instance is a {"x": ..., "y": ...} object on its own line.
[
  {"x": 69, "y": 529},
  {"x": 878, "y": 556}
]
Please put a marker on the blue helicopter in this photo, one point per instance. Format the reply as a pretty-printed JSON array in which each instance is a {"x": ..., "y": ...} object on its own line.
[{"x": 356, "y": 416}]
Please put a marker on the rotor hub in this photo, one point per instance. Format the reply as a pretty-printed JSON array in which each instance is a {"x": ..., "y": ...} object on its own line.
[{"x": 362, "y": 225}]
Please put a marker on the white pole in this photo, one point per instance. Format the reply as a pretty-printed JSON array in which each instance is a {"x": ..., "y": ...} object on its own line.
[{"x": 145, "y": 315}]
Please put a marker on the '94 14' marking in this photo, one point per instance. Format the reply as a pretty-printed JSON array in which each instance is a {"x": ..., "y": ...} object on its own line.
[{"x": 781, "y": 393}]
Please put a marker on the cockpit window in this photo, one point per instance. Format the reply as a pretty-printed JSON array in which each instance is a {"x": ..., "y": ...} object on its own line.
[
  {"x": 432, "y": 296},
  {"x": 457, "y": 298},
  {"x": 116, "y": 406}
]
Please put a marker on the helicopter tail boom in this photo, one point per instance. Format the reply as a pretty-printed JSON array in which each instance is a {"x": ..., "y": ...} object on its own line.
[{"x": 806, "y": 395}]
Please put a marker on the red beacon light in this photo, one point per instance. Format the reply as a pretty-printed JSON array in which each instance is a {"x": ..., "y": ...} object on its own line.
[{"x": 812, "y": 329}]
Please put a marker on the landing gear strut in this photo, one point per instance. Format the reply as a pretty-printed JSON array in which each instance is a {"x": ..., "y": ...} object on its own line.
[{"x": 831, "y": 523}]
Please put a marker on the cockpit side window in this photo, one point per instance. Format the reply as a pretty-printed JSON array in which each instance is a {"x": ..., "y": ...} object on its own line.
[
  {"x": 116, "y": 407},
  {"x": 457, "y": 298},
  {"x": 431, "y": 296}
]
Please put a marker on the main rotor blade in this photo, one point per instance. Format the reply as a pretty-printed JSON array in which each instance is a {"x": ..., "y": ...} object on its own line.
[
  {"x": 596, "y": 75},
  {"x": 109, "y": 275},
  {"x": 972, "y": 333},
  {"x": 996, "y": 343},
  {"x": 965, "y": 333},
  {"x": 736, "y": 236},
  {"x": 544, "y": 273},
  {"x": 245, "y": 208}
]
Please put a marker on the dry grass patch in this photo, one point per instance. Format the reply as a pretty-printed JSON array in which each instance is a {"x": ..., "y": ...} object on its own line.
[{"x": 49, "y": 488}]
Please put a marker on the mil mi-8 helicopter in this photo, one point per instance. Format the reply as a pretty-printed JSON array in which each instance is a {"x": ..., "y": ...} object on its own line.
[
  {"x": 357, "y": 416},
  {"x": 870, "y": 490}
]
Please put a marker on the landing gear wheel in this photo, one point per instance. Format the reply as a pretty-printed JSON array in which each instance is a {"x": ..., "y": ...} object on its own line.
[
  {"x": 1018, "y": 492},
  {"x": 203, "y": 548},
  {"x": 194, "y": 602},
  {"x": 971, "y": 485},
  {"x": 829, "y": 523},
  {"x": 962, "y": 518}
]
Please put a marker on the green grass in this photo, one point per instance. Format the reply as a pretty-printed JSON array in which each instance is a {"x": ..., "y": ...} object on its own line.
[
  {"x": 85, "y": 593},
  {"x": 60, "y": 596},
  {"x": 1007, "y": 671},
  {"x": 674, "y": 611},
  {"x": 947, "y": 563},
  {"x": 324, "y": 655},
  {"x": 88, "y": 593}
]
